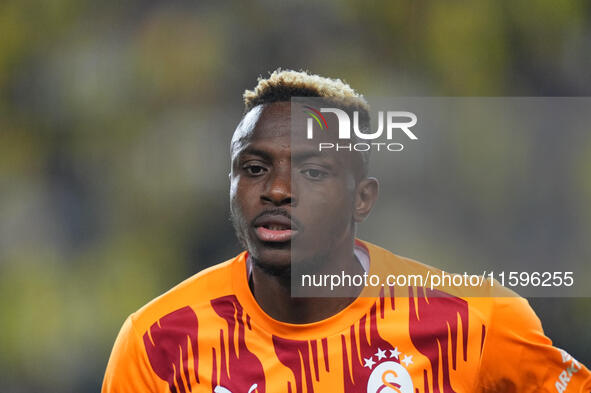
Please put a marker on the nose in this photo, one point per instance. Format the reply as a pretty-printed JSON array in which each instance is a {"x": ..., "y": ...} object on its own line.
[{"x": 278, "y": 190}]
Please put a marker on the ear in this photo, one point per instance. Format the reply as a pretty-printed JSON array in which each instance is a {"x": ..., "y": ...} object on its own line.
[{"x": 366, "y": 195}]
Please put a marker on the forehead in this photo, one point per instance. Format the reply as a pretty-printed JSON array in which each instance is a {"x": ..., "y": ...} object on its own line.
[
  {"x": 263, "y": 122},
  {"x": 271, "y": 125}
]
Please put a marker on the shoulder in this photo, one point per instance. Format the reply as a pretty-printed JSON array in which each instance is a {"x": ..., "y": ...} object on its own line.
[
  {"x": 486, "y": 297},
  {"x": 195, "y": 292},
  {"x": 385, "y": 261}
]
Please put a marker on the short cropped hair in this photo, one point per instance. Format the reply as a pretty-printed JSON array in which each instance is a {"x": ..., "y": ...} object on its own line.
[{"x": 282, "y": 85}]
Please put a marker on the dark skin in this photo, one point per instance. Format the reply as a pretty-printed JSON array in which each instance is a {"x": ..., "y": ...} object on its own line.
[{"x": 281, "y": 182}]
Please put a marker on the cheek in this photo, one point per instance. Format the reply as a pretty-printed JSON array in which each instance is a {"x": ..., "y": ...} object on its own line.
[
  {"x": 234, "y": 187},
  {"x": 236, "y": 197},
  {"x": 327, "y": 210},
  {"x": 243, "y": 196}
]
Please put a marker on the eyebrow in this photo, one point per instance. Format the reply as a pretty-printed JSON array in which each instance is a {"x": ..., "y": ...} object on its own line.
[
  {"x": 255, "y": 152},
  {"x": 297, "y": 156},
  {"x": 304, "y": 155}
]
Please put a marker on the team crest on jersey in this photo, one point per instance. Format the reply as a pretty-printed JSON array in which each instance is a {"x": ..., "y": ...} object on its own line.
[
  {"x": 221, "y": 389},
  {"x": 389, "y": 376}
]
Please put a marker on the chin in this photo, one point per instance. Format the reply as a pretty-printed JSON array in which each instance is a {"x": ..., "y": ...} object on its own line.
[
  {"x": 275, "y": 263},
  {"x": 272, "y": 256}
]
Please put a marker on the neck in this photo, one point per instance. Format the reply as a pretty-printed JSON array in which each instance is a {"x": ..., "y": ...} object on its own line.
[{"x": 273, "y": 292}]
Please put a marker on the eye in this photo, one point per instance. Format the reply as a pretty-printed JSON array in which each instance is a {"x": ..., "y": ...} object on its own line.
[
  {"x": 254, "y": 170},
  {"x": 314, "y": 173}
]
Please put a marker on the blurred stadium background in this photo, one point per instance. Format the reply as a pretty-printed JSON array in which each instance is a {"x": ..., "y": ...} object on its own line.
[{"x": 115, "y": 119}]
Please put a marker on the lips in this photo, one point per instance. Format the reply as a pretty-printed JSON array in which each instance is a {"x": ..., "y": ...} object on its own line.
[{"x": 274, "y": 228}]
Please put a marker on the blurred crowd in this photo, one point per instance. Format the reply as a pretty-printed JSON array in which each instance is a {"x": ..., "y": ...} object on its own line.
[{"x": 115, "y": 119}]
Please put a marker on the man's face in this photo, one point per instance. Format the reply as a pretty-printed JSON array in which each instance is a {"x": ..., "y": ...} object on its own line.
[{"x": 286, "y": 197}]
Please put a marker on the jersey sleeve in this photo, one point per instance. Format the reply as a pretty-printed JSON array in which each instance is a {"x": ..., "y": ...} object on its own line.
[
  {"x": 518, "y": 357},
  {"x": 128, "y": 369}
]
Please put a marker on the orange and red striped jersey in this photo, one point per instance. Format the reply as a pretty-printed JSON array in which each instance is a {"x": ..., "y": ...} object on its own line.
[{"x": 208, "y": 334}]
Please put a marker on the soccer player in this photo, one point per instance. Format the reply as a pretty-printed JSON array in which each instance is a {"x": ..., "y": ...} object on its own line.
[{"x": 236, "y": 328}]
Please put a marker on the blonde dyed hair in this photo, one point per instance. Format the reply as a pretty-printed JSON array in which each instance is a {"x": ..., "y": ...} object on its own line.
[{"x": 282, "y": 85}]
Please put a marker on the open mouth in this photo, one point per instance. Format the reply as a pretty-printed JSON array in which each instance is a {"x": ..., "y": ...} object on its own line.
[
  {"x": 274, "y": 229},
  {"x": 274, "y": 233}
]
